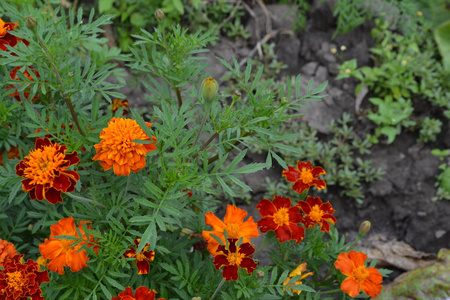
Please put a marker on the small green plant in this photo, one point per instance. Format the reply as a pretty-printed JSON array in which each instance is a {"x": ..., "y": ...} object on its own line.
[
  {"x": 430, "y": 128},
  {"x": 443, "y": 179}
]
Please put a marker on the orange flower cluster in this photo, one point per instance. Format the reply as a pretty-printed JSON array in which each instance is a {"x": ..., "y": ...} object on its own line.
[
  {"x": 228, "y": 254},
  {"x": 142, "y": 293},
  {"x": 316, "y": 212},
  {"x": 25, "y": 72},
  {"x": 6, "y": 38},
  {"x": 298, "y": 271},
  {"x": 11, "y": 154},
  {"x": 359, "y": 277},
  {"x": 21, "y": 281},
  {"x": 117, "y": 149},
  {"x": 305, "y": 176},
  {"x": 64, "y": 253},
  {"x": 117, "y": 103},
  {"x": 45, "y": 171},
  {"x": 142, "y": 258},
  {"x": 7, "y": 251}
]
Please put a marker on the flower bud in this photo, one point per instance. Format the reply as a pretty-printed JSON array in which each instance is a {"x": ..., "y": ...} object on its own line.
[
  {"x": 260, "y": 274},
  {"x": 196, "y": 298},
  {"x": 364, "y": 228},
  {"x": 30, "y": 22},
  {"x": 209, "y": 89},
  {"x": 159, "y": 15},
  {"x": 284, "y": 100}
]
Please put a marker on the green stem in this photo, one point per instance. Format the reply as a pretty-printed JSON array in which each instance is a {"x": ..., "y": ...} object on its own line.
[
  {"x": 201, "y": 126},
  {"x": 218, "y": 289},
  {"x": 331, "y": 291},
  {"x": 61, "y": 89},
  {"x": 350, "y": 246},
  {"x": 84, "y": 199}
]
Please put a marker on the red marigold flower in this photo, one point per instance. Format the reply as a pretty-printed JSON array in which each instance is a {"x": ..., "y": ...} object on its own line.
[
  {"x": 45, "y": 170},
  {"x": 142, "y": 258},
  {"x": 21, "y": 281},
  {"x": 142, "y": 293},
  {"x": 233, "y": 258},
  {"x": 281, "y": 217},
  {"x": 305, "y": 176},
  {"x": 7, "y": 251},
  {"x": 359, "y": 277},
  {"x": 298, "y": 271},
  {"x": 11, "y": 154},
  {"x": 26, "y": 73},
  {"x": 317, "y": 212},
  {"x": 7, "y": 38},
  {"x": 117, "y": 103},
  {"x": 61, "y": 252},
  {"x": 117, "y": 149},
  {"x": 233, "y": 224}
]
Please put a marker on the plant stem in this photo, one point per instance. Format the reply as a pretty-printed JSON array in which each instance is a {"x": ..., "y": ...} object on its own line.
[
  {"x": 211, "y": 138},
  {"x": 218, "y": 289},
  {"x": 84, "y": 199},
  {"x": 201, "y": 125},
  {"x": 331, "y": 291},
  {"x": 215, "y": 157},
  {"x": 61, "y": 89}
]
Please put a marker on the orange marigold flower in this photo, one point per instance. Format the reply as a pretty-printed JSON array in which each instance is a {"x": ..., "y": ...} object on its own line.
[
  {"x": 142, "y": 293},
  {"x": 351, "y": 264},
  {"x": 7, "y": 251},
  {"x": 11, "y": 154},
  {"x": 45, "y": 171},
  {"x": 298, "y": 271},
  {"x": 63, "y": 253},
  {"x": 117, "y": 103},
  {"x": 21, "y": 281},
  {"x": 233, "y": 224},
  {"x": 317, "y": 212},
  {"x": 234, "y": 257},
  {"x": 42, "y": 262},
  {"x": 281, "y": 217},
  {"x": 26, "y": 73},
  {"x": 117, "y": 149},
  {"x": 305, "y": 176},
  {"x": 6, "y": 38},
  {"x": 142, "y": 258}
]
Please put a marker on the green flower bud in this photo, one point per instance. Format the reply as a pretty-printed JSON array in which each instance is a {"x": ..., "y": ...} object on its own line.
[
  {"x": 364, "y": 228},
  {"x": 30, "y": 22},
  {"x": 159, "y": 15},
  {"x": 260, "y": 274},
  {"x": 209, "y": 89}
]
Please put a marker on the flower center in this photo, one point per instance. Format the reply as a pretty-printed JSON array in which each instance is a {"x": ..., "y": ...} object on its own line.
[
  {"x": 42, "y": 164},
  {"x": 235, "y": 258},
  {"x": 15, "y": 280},
  {"x": 281, "y": 217},
  {"x": 306, "y": 176},
  {"x": 360, "y": 274},
  {"x": 66, "y": 245},
  {"x": 232, "y": 230},
  {"x": 316, "y": 213}
]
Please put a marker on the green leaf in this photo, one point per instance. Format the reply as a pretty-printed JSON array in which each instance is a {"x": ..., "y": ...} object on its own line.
[
  {"x": 442, "y": 37},
  {"x": 104, "y": 5},
  {"x": 138, "y": 20},
  {"x": 114, "y": 283},
  {"x": 250, "y": 168}
]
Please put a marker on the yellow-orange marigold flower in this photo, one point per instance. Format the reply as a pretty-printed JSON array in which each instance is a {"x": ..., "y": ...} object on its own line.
[
  {"x": 117, "y": 149},
  {"x": 11, "y": 154},
  {"x": 45, "y": 171},
  {"x": 298, "y": 271},
  {"x": 359, "y": 277},
  {"x": 60, "y": 252},
  {"x": 7, "y": 250},
  {"x": 233, "y": 223},
  {"x": 117, "y": 103}
]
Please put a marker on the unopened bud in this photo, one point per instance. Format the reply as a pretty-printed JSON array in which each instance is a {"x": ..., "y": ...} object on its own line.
[
  {"x": 30, "y": 227},
  {"x": 209, "y": 89},
  {"x": 284, "y": 100},
  {"x": 364, "y": 228},
  {"x": 159, "y": 15},
  {"x": 260, "y": 274},
  {"x": 237, "y": 93},
  {"x": 196, "y": 298},
  {"x": 30, "y": 22}
]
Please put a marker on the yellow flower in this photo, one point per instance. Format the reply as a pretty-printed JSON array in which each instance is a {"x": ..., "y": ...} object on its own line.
[
  {"x": 333, "y": 50},
  {"x": 419, "y": 13},
  {"x": 117, "y": 149},
  {"x": 343, "y": 48},
  {"x": 348, "y": 71},
  {"x": 404, "y": 62},
  {"x": 298, "y": 271}
]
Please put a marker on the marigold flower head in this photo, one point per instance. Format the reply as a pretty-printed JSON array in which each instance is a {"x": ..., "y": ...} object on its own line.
[
  {"x": 25, "y": 72},
  {"x": 142, "y": 258},
  {"x": 45, "y": 171},
  {"x": 142, "y": 293},
  {"x": 63, "y": 253},
  {"x": 233, "y": 223},
  {"x": 21, "y": 280},
  {"x": 305, "y": 176},
  {"x": 117, "y": 149},
  {"x": 6, "y": 38},
  {"x": 117, "y": 103},
  {"x": 279, "y": 216},
  {"x": 359, "y": 278},
  {"x": 234, "y": 257},
  {"x": 7, "y": 251},
  {"x": 298, "y": 271},
  {"x": 317, "y": 212},
  {"x": 11, "y": 154}
]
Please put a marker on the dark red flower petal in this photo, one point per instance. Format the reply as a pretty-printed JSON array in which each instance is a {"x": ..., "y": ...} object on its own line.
[
  {"x": 220, "y": 260},
  {"x": 319, "y": 183},
  {"x": 317, "y": 171},
  {"x": 247, "y": 249},
  {"x": 313, "y": 201},
  {"x": 53, "y": 196},
  {"x": 295, "y": 216},
  {"x": 281, "y": 202},
  {"x": 266, "y": 208},
  {"x": 299, "y": 186},
  {"x": 230, "y": 272},
  {"x": 291, "y": 174},
  {"x": 267, "y": 223},
  {"x": 297, "y": 233},
  {"x": 283, "y": 233},
  {"x": 61, "y": 183},
  {"x": 249, "y": 264},
  {"x": 143, "y": 266}
]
